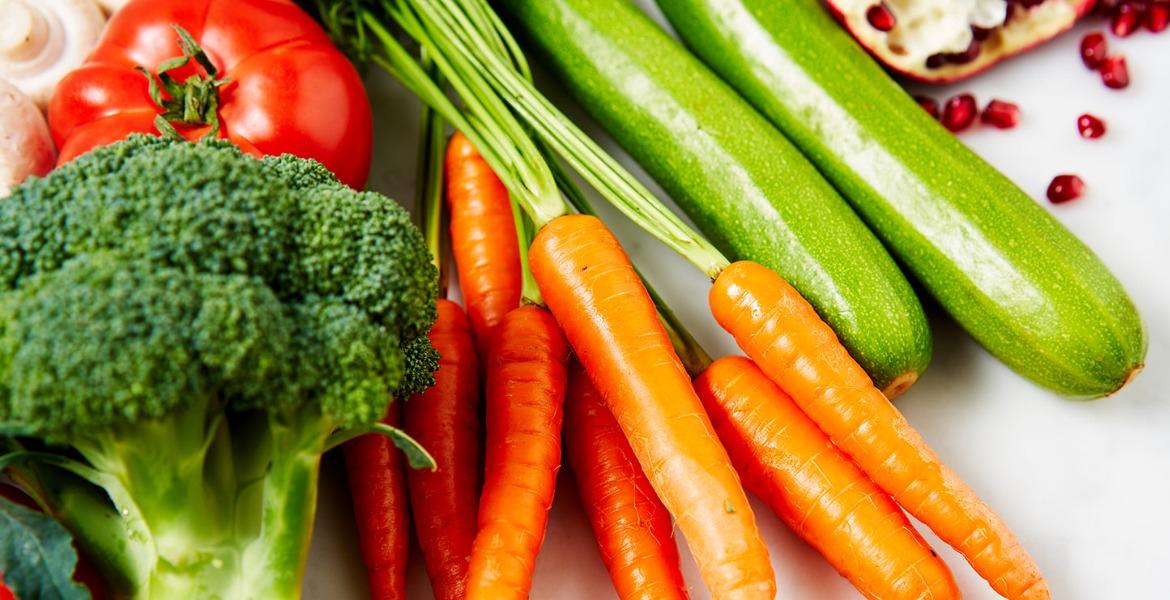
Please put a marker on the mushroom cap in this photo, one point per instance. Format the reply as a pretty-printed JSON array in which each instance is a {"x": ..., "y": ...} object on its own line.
[
  {"x": 112, "y": 6},
  {"x": 25, "y": 146},
  {"x": 42, "y": 40}
]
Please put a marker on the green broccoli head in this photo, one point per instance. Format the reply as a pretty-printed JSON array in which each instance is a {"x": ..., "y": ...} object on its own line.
[
  {"x": 352, "y": 273},
  {"x": 197, "y": 326},
  {"x": 108, "y": 340}
]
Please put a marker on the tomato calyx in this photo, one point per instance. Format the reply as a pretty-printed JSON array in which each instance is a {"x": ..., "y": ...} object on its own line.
[{"x": 193, "y": 101}]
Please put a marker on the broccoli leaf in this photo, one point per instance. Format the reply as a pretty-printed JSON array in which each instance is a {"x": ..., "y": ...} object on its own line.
[{"x": 37, "y": 555}]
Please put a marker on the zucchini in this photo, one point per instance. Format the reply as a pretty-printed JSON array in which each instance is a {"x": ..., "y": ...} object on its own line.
[
  {"x": 747, "y": 188},
  {"x": 1009, "y": 273}
]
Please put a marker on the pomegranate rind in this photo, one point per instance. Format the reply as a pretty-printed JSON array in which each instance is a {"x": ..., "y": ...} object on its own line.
[{"x": 1026, "y": 29}]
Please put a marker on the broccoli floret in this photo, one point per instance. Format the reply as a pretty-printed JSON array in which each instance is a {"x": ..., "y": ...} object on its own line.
[{"x": 185, "y": 329}]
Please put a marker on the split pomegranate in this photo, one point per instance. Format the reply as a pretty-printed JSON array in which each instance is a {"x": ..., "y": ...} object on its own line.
[
  {"x": 930, "y": 105},
  {"x": 959, "y": 112},
  {"x": 947, "y": 40},
  {"x": 1090, "y": 127},
  {"x": 1094, "y": 48},
  {"x": 1064, "y": 188},
  {"x": 1115, "y": 72},
  {"x": 1003, "y": 115},
  {"x": 880, "y": 17}
]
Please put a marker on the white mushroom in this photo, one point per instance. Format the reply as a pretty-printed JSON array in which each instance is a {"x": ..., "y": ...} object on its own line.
[
  {"x": 25, "y": 145},
  {"x": 112, "y": 6},
  {"x": 42, "y": 40}
]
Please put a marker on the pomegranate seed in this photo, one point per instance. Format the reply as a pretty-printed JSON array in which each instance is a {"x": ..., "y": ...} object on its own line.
[
  {"x": 1064, "y": 188},
  {"x": 1114, "y": 72},
  {"x": 930, "y": 105},
  {"x": 880, "y": 17},
  {"x": 1158, "y": 17},
  {"x": 1093, "y": 49},
  {"x": 1126, "y": 21},
  {"x": 959, "y": 112},
  {"x": 1090, "y": 127},
  {"x": 1003, "y": 115}
]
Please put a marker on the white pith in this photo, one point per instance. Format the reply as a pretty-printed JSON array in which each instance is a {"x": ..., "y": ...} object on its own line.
[{"x": 927, "y": 27}]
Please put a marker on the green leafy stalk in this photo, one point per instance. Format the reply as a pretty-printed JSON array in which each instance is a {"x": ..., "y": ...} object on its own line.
[
  {"x": 463, "y": 30},
  {"x": 430, "y": 184}
]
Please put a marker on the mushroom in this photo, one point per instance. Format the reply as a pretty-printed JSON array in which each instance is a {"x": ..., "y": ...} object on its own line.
[
  {"x": 42, "y": 40},
  {"x": 25, "y": 145},
  {"x": 112, "y": 6}
]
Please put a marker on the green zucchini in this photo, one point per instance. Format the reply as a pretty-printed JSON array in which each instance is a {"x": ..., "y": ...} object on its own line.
[
  {"x": 744, "y": 184},
  {"x": 1009, "y": 273}
]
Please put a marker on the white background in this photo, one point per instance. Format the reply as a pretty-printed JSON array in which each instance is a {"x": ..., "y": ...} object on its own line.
[{"x": 1085, "y": 486}]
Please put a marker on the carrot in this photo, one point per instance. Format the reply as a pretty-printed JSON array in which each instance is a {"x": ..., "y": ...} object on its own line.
[
  {"x": 445, "y": 420},
  {"x": 377, "y": 482},
  {"x": 634, "y": 532},
  {"x": 591, "y": 287},
  {"x": 778, "y": 329},
  {"x": 483, "y": 238},
  {"x": 526, "y": 378},
  {"x": 786, "y": 460}
]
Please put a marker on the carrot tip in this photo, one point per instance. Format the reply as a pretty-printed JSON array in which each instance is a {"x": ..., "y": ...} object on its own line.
[{"x": 900, "y": 384}]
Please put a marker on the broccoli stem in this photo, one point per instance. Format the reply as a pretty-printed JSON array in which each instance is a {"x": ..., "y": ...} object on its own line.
[{"x": 275, "y": 561}]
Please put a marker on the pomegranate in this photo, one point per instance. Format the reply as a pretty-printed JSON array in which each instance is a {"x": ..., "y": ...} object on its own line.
[
  {"x": 1126, "y": 21},
  {"x": 1158, "y": 16},
  {"x": 1003, "y": 115},
  {"x": 1094, "y": 48},
  {"x": 1115, "y": 72},
  {"x": 930, "y": 105},
  {"x": 939, "y": 41},
  {"x": 1127, "y": 16},
  {"x": 1090, "y": 127},
  {"x": 959, "y": 112},
  {"x": 1064, "y": 188}
]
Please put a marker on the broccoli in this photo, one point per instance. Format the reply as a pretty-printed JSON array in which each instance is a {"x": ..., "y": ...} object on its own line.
[{"x": 184, "y": 331}]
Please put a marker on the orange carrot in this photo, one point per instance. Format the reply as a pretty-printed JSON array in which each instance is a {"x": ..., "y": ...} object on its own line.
[
  {"x": 785, "y": 459},
  {"x": 778, "y": 329},
  {"x": 445, "y": 420},
  {"x": 483, "y": 239},
  {"x": 526, "y": 378},
  {"x": 377, "y": 482},
  {"x": 591, "y": 287},
  {"x": 634, "y": 532}
]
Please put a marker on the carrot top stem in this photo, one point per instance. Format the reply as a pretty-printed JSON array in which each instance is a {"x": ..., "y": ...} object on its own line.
[
  {"x": 429, "y": 182},
  {"x": 484, "y": 117},
  {"x": 503, "y": 114},
  {"x": 529, "y": 291}
]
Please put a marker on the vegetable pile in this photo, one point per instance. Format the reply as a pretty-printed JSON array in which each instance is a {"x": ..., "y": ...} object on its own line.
[{"x": 189, "y": 322}]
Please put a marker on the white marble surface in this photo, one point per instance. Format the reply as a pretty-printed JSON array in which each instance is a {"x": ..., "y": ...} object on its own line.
[{"x": 1085, "y": 486}]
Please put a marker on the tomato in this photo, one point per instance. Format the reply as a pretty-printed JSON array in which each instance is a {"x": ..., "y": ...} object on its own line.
[{"x": 287, "y": 90}]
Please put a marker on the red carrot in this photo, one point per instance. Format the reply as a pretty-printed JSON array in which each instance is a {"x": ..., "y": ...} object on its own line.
[
  {"x": 526, "y": 379},
  {"x": 445, "y": 421},
  {"x": 377, "y": 482},
  {"x": 483, "y": 239},
  {"x": 782, "y": 333},
  {"x": 634, "y": 532},
  {"x": 610, "y": 320},
  {"x": 785, "y": 459}
]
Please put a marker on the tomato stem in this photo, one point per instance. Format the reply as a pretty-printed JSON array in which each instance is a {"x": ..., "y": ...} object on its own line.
[{"x": 195, "y": 100}]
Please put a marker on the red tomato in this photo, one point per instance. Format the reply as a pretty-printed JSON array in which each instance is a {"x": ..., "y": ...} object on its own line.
[{"x": 289, "y": 89}]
